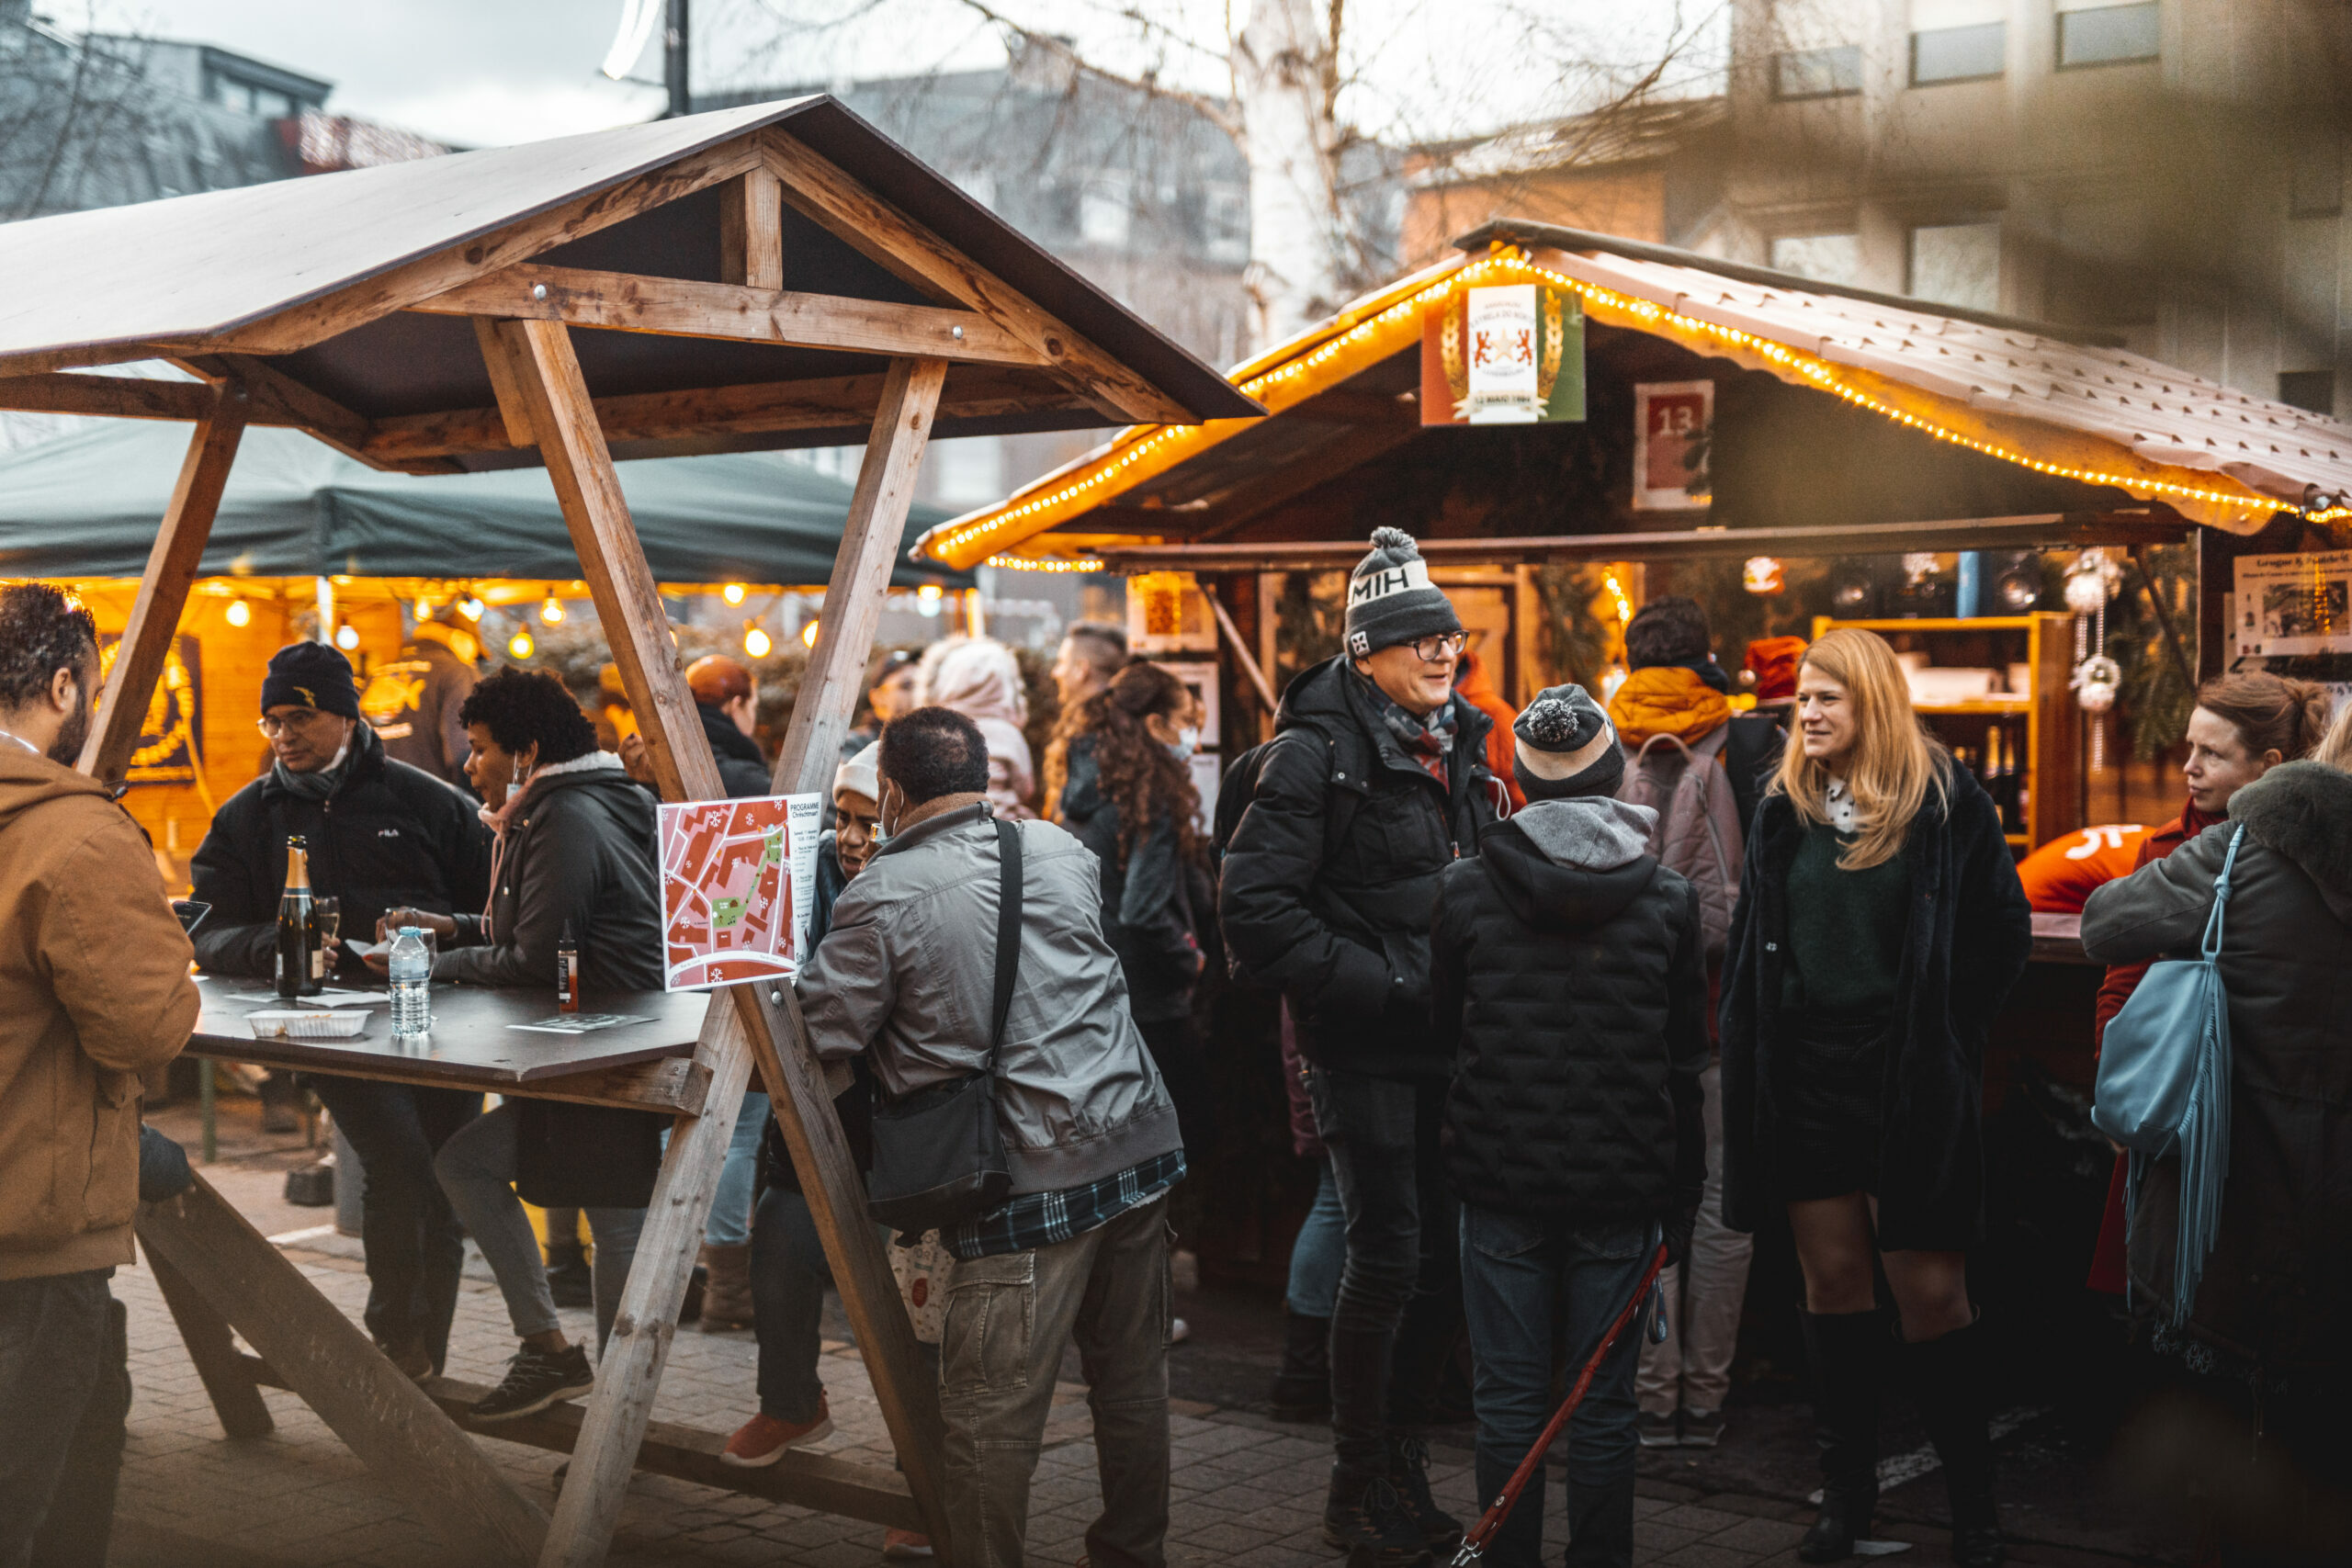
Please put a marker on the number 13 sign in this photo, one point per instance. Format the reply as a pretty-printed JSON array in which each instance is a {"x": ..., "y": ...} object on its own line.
[{"x": 1674, "y": 427}]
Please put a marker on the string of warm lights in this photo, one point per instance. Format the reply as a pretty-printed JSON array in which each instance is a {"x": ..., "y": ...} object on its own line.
[
  {"x": 1042, "y": 563},
  {"x": 1814, "y": 372},
  {"x": 1617, "y": 592}
]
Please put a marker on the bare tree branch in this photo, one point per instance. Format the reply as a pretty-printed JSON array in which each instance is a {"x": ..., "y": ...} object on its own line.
[{"x": 1219, "y": 114}]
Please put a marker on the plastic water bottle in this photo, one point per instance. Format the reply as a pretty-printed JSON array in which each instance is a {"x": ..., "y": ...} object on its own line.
[{"x": 412, "y": 984}]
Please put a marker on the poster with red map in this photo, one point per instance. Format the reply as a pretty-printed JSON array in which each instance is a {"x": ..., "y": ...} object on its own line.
[{"x": 737, "y": 880}]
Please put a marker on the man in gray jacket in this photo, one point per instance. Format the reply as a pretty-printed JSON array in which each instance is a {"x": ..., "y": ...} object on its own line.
[{"x": 907, "y": 975}]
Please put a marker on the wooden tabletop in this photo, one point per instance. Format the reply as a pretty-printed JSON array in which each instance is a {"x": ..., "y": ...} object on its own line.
[
  {"x": 2058, "y": 938},
  {"x": 473, "y": 1043}
]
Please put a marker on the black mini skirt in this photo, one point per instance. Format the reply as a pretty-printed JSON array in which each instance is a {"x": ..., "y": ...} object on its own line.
[{"x": 1828, "y": 1089}]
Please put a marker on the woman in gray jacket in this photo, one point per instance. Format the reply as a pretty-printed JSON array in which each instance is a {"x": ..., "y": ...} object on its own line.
[{"x": 2268, "y": 1337}]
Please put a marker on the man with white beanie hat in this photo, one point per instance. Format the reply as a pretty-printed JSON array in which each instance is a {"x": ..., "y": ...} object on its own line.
[{"x": 1375, "y": 782}]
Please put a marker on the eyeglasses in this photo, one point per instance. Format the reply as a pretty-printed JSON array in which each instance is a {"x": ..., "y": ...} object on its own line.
[
  {"x": 1439, "y": 649},
  {"x": 274, "y": 725}
]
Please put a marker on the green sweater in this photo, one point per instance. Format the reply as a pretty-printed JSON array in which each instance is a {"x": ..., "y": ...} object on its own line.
[{"x": 1847, "y": 929}]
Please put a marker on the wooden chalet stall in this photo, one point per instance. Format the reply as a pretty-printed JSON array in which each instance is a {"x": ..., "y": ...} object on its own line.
[
  {"x": 1834, "y": 423},
  {"x": 766, "y": 277}
]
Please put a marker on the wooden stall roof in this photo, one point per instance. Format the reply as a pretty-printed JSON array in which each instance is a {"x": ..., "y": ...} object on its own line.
[
  {"x": 344, "y": 298},
  {"x": 2066, "y": 405}
]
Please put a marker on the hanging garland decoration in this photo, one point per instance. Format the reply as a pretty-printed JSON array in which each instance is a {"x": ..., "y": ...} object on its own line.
[{"x": 2091, "y": 582}]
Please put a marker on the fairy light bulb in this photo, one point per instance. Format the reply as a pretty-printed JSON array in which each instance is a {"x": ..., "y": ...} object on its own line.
[
  {"x": 520, "y": 645},
  {"x": 469, "y": 607},
  {"x": 809, "y": 634},
  {"x": 347, "y": 636},
  {"x": 732, "y": 593},
  {"x": 239, "y": 613},
  {"x": 551, "y": 610},
  {"x": 756, "y": 643}
]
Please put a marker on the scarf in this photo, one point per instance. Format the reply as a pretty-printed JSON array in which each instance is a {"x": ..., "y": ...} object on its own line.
[
  {"x": 496, "y": 821},
  {"x": 1429, "y": 741},
  {"x": 315, "y": 786}
]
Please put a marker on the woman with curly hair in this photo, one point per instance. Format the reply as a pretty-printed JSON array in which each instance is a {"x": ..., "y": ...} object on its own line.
[{"x": 1129, "y": 797}]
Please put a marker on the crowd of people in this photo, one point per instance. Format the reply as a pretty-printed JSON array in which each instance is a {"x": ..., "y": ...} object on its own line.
[{"x": 1567, "y": 993}]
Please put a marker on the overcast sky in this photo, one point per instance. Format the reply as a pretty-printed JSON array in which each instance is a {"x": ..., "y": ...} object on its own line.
[{"x": 483, "y": 72}]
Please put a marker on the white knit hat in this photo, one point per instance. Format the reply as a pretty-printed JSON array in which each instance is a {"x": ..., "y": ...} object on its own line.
[{"x": 862, "y": 773}]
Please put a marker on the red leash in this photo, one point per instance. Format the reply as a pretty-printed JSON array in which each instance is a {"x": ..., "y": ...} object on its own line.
[{"x": 1474, "y": 1544}]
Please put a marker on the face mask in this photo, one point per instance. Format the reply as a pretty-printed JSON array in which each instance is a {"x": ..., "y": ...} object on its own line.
[{"x": 1187, "y": 741}]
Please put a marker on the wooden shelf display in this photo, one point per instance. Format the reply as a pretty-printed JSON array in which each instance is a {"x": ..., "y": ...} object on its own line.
[{"x": 2023, "y": 746}]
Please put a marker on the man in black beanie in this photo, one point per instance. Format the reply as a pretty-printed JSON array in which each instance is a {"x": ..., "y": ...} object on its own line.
[
  {"x": 1570, "y": 998},
  {"x": 381, "y": 835},
  {"x": 1375, "y": 782}
]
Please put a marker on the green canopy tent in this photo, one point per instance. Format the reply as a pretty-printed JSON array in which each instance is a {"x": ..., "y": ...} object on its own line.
[{"x": 85, "y": 506}]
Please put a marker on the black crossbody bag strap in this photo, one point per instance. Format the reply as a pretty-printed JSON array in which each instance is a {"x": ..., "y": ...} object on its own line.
[{"x": 1007, "y": 930}]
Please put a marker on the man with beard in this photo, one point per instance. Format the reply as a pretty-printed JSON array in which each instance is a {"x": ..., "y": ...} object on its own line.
[{"x": 94, "y": 993}]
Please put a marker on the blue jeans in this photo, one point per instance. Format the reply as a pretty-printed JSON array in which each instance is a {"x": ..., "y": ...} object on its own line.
[
  {"x": 1319, "y": 1253},
  {"x": 64, "y": 1390},
  {"x": 730, "y": 1223},
  {"x": 1520, "y": 1280}
]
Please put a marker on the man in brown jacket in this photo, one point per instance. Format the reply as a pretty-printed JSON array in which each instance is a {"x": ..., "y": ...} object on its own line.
[{"x": 94, "y": 992}]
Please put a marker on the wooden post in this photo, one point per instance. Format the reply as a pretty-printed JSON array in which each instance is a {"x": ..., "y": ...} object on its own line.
[
  {"x": 564, "y": 422},
  {"x": 236, "y": 1398},
  {"x": 389, "y": 1422},
  {"x": 878, "y": 519},
  {"x": 163, "y": 588}
]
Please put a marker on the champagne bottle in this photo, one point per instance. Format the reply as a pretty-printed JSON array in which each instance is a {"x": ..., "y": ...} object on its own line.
[{"x": 301, "y": 956}]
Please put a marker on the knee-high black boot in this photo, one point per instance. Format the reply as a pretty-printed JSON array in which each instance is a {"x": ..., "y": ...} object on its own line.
[
  {"x": 1948, "y": 1379},
  {"x": 1844, "y": 1348}
]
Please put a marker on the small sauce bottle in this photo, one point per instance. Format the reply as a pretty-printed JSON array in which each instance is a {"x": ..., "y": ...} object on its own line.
[{"x": 567, "y": 972}]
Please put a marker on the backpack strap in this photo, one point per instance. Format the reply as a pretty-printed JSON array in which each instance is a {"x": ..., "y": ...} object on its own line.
[{"x": 1008, "y": 928}]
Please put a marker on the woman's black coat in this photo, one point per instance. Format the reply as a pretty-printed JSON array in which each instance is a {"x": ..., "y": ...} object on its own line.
[
  {"x": 1970, "y": 934},
  {"x": 1147, "y": 904},
  {"x": 579, "y": 852},
  {"x": 2277, "y": 1292}
]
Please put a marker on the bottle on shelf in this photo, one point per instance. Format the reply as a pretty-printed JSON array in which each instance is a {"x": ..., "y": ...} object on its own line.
[
  {"x": 301, "y": 956},
  {"x": 567, "y": 971},
  {"x": 411, "y": 968}
]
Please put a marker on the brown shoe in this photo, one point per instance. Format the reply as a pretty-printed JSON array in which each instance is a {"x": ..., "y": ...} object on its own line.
[{"x": 727, "y": 1299}]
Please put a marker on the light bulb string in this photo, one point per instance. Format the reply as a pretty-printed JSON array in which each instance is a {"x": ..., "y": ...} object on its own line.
[{"x": 1144, "y": 443}]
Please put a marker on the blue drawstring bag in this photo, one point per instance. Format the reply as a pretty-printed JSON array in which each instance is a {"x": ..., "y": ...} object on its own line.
[{"x": 2163, "y": 1087}]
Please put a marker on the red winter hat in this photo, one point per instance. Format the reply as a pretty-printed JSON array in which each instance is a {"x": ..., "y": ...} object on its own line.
[{"x": 1774, "y": 660}]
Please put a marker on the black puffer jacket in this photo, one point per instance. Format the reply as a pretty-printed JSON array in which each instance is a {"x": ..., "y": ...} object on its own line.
[
  {"x": 2277, "y": 1292},
  {"x": 743, "y": 766},
  {"x": 1970, "y": 936},
  {"x": 390, "y": 836},
  {"x": 1147, "y": 904},
  {"x": 1330, "y": 879},
  {"x": 580, "y": 852},
  {"x": 1571, "y": 988}
]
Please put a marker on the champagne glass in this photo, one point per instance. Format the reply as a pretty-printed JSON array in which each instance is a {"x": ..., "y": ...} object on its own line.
[{"x": 330, "y": 913}]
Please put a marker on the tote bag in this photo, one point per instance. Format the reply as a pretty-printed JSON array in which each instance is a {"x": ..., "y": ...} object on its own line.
[{"x": 2163, "y": 1087}]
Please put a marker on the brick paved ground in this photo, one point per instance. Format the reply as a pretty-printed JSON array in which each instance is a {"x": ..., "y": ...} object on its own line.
[{"x": 1247, "y": 1492}]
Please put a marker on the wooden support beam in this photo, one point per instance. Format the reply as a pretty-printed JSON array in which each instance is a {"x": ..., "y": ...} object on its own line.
[
  {"x": 751, "y": 230},
  {"x": 229, "y": 1383},
  {"x": 703, "y": 414},
  {"x": 878, "y": 517},
  {"x": 505, "y": 384},
  {"x": 672, "y": 306},
  {"x": 445, "y": 1481},
  {"x": 579, "y": 465},
  {"x": 106, "y": 397},
  {"x": 402, "y": 287},
  {"x": 279, "y": 399},
  {"x": 163, "y": 588},
  {"x": 814, "y": 187},
  {"x": 677, "y": 1085}
]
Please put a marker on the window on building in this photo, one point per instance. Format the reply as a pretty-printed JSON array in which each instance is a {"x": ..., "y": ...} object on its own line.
[
  {"x": 1957, "y": 264},
  {"x": 1959, "y": 54},
  {"x": 1826, "y": 258},
  {"x": 2106, "y": 35},
  {"x": 2313, "y": 390},
  {"x": 2315, "y": 176},
  {"x": 1105, "y": 211},
  {"x": 1817, "y": 73}
]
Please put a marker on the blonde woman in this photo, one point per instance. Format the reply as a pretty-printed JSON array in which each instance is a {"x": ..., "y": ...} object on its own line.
[{"x": 1879, "y": 925}]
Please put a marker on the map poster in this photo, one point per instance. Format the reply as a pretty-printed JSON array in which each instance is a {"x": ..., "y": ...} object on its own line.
[{"x": 738, "y": 878}]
